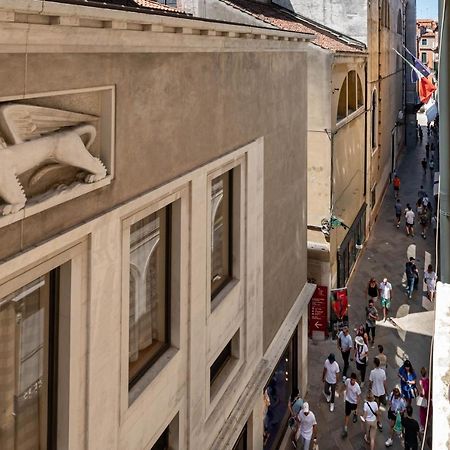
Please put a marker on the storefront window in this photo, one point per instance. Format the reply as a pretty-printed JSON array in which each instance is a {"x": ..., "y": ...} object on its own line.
[
  {"x": 28, "y": 362},
  {"x": 276, "y": 396}
]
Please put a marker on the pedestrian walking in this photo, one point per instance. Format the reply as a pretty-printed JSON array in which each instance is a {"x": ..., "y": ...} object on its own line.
[
  {"x": 430, "y": 279},
  {"x": 370, "y": 417},
  {"x": 434, "y": 224},
  {"x": 410, "y": 271},
  {"x": 382, "y": 358},
  {"x": 371, "y": 319},
  {"x": 361, "y": 353},
  {"x": 409, "y": 220},
  {"x": 421, "y": 193},
  {"x": 410, "y": 430},
  {"x": 408, "y": 381},
  {"x": 431, "y": 166},
  {"x": 398, "y": 212},
  {"x": 307, "y": 428},
  {"x": 386, "y": 297},
  {"x": 396, "y": 184},
  {"x": 420, "y": 133},
  {"x": 424, "y": 218},
  {"x": 424, "y": 165},
  {"x": 330, "y": 377},
  {"x": 377, "y": 384},
  {"x": 345, "y": 344},
  {"x": 372, "y": 289},
  {"x": 424, "y": 401},
  {"x": 295, "y": 405},
  {"x": 427, "y": 150},
  {"x": 351, "y": 396},
  {"x": 396, "y": 406}
]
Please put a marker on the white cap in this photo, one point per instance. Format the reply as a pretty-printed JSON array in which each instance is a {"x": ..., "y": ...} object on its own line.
[{"x": 305, "y": 407}]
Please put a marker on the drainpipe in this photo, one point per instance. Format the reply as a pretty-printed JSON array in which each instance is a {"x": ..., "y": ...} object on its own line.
[{"x": 444, "y": 145}]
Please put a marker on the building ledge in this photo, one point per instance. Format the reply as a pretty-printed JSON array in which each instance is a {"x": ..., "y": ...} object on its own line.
[{"x": 42, "y": 27}]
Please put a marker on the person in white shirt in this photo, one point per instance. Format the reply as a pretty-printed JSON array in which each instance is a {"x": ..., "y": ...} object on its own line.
[
  {"x": 361, "y": 353},
  {"x": 386, "y": 296},
  {"x": 370, "y": 416},
  {"x": 396, "y": 405},
  {"x": 377, "y": 384},
  {"x": 409, "y": 219},
  {"x": 352, "y": 393},
  {"x": 307, "y": 427},
  {"x": 430, "y": 279},
  {"x": 330, "y": 377}
]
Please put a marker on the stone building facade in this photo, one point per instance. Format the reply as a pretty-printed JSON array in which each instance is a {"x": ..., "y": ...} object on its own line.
[{"x": 153, "y": 281}]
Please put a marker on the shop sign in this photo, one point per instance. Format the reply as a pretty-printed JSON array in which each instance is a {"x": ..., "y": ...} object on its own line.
[{"x": 318, "y": 317}]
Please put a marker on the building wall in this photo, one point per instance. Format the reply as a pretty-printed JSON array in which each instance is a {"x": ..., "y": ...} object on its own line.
[
  {"x": 348, "y": 17},
  {"x": 185, "y": 110}
]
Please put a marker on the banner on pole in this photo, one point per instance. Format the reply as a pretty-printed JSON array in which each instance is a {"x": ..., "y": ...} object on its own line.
[{"x": 339, "y": 310}]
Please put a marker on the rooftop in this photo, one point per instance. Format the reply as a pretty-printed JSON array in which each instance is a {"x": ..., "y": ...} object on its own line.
[{"x": 287, "y": 20}]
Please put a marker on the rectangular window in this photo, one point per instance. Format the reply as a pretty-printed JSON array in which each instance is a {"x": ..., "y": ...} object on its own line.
[
  {"x": 221, "y": 231},
  {"x": 373, "y": 197},
  {"x": 28, "y": 365},
  {"x": 163, "y": 441},
  {"x": 424, "y": 42},
  {"x": 220, "y": 363},
  {"x": 149, "y": 291},
  {"x": 424, "y": 57}
]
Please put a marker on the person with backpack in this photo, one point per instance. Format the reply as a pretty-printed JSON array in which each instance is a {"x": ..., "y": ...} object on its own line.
[
  {"x": 370, "y": 417},
  {"x": 410, "y": 271},
  {"x": 295, "y": 405},
  {"x": 351, "y": 395},
  {"x": 397, "y": 406}
]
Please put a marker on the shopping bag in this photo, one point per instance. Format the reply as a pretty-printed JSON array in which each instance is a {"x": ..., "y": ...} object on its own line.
[{"x": 421, "y": 401}]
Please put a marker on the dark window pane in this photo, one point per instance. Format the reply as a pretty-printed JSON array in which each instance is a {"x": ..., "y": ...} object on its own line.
[
  {"x": 220, "y": 363},
  {"x": 163, "y": 442},
  {"x": 342, "y": 105},
  {"x": 221, "y": 196},
  {"x": 148, "y": 291}
]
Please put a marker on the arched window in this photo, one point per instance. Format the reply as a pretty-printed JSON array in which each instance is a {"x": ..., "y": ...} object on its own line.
[
  {"x": 351, "y": 96},
  {"x": 399, "y": 22},
  {"x": 374, "y": 119}
]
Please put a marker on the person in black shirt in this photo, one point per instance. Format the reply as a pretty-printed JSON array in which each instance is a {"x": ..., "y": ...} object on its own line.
[{"x": 410, "y": 430}]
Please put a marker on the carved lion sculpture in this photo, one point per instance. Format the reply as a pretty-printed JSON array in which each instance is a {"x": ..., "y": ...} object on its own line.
[{"x": 34, "y": 135}]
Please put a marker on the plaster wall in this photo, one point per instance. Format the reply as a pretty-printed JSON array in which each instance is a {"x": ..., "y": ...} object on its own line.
[
  {"x": 349, "y": 17},
  {"x": 319, "y": 142}
]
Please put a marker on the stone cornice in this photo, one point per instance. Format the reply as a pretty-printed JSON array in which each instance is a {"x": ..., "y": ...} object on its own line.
[{"x": 33, "y": 26}]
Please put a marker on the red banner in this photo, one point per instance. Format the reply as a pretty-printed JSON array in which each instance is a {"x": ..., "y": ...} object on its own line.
[{"x": 318, "y": 316}]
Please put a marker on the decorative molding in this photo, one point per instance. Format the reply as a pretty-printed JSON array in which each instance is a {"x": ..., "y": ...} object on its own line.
[{"x": 37, "y": 27}]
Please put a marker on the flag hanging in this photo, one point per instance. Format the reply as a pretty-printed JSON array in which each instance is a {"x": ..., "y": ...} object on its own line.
[{"x": 426, "y": 89}]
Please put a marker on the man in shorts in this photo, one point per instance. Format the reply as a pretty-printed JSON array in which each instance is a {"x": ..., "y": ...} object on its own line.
[
  {"x": 386, "y": 297},
  {"x": 396, "y": 405},
  {"x": 377, "y": 384},
  {"x": 409, "y": 219},
  {"x": 352, "y": 393}
]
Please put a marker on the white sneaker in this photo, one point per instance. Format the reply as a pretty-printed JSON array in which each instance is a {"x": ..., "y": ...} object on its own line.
[
  {"x": 331, "y": 407},
  {"x": 328, "y": 397},
  {"x": 389, "y": 442}
]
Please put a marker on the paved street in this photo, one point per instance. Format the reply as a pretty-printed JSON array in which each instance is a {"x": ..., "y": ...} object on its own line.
[{"x": 385, "y": 254}]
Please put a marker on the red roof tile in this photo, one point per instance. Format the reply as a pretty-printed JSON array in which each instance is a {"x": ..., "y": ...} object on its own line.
[
  {"x": 155, "y": 5},
  {"x": 286, "y": 20}
]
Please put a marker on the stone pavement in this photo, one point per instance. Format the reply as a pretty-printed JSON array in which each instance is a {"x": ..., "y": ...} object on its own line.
[{"x": 384, "y": 255}]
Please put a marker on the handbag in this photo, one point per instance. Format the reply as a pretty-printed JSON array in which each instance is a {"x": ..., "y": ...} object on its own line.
[{"x": 421, "y": 401}]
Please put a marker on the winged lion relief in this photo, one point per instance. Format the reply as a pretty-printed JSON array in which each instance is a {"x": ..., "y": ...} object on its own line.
[{"x": 34, "y": 138}]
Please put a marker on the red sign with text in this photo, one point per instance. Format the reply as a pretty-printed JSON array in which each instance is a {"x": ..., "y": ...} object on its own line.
[{"x": 318, "y": 312}]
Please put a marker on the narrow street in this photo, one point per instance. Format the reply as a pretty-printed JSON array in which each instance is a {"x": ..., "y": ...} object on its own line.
[{"x": 385, "y": 255}]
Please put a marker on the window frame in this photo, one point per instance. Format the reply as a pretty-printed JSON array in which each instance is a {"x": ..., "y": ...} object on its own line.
[
  {"x": 236, "y": 224},
  {"x": 167, "y": 296},
  {"x": 424, "y": 41},
  {"x": 71, "y": 262}
]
